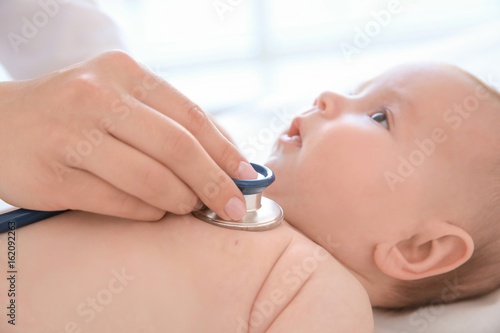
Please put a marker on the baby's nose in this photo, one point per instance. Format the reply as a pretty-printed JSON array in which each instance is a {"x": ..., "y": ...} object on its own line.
[{"x": 330, "y": 103}]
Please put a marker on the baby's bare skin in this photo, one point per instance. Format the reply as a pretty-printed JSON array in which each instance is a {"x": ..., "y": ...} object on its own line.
[{"x": 80, "y": 272}]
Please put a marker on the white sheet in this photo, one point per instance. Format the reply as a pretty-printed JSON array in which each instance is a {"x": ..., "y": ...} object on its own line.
[{"x": 477, "y": 315}]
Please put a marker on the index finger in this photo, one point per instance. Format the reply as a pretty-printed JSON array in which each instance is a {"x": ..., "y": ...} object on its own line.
[
  {"x": 168, "y": 100},
  {"x": 181, "y": 153}
]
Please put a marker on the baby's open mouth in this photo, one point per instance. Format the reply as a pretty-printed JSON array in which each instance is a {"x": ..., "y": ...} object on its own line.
[{"x": 293, "y": 135}]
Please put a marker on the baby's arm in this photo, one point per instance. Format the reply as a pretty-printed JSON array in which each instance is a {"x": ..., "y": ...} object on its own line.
[{"x": 309, "y": 291}]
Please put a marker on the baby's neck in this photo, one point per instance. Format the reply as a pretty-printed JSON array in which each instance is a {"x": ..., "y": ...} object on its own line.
[{"x": 376, "y": 288}]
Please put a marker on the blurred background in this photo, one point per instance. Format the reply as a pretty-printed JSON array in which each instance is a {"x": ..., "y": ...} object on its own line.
[
  {"x": 244, "y": 60},
  {"x": 227, "y": 52}
]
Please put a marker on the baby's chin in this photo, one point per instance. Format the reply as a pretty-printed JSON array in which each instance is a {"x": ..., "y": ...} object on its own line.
[
  {"x": 276, "y": 151},
  {"x": 282, "y": 189},
  {"x": 272, "y": 163},
  {"x": 275, "y": 160}
]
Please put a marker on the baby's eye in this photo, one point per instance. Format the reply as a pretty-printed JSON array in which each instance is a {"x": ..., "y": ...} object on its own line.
[{"x": 381, "y": 117}]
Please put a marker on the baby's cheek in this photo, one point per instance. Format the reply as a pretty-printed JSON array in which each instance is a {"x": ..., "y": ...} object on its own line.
[{"x": 357, "y": 154}]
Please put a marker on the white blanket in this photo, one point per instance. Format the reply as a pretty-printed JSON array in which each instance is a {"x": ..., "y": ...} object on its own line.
[{"x": 477, "y": 315}]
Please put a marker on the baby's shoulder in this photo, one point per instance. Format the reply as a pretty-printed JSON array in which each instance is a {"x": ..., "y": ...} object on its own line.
[
  {"x": 308, "y": 290},
  {"x": 291, "y": 283}
]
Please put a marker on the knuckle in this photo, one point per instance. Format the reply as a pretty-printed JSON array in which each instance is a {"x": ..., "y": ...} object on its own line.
[
  {"x": 229, "y": 157},
  {"x": 181, "y": 209},
  {"x": 131, "y": 207},
  {"x": 185, "y": 202},
  {"x": 196, "y": 118},
  {"x": 84, "y": 85},
  {"x": 184, "y": 208},
  {"x": 115, "y": 57},
  {"x": 180, "y": 146},
  {"x": 120, "y": 60},
  {"x": 151, "y": 188},
  {"x": 154, "y": 215},
  {"x": 192, "y": 201},
  {"x": 87, "y": 91},
  {"x": 57, "y": 141}
]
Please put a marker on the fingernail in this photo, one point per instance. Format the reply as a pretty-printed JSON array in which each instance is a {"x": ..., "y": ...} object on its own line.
[
  {"x": 246, "y": 171},
  {"x": 235, "y": 208}
]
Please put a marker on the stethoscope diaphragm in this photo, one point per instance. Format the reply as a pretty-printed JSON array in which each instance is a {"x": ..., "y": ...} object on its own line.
[{"x": 262, "y": 213}]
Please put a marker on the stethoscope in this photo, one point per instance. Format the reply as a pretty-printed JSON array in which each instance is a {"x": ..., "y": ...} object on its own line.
[{"x": 262, "y": 213}]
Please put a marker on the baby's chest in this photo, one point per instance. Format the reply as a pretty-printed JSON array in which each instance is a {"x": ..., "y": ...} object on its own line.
[{"x": 221, "y": 271}]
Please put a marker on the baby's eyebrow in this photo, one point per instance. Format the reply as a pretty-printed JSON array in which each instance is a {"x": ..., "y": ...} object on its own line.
[
  {"x": 358, "y": 89},
  {"x": 404, "y": 102}
]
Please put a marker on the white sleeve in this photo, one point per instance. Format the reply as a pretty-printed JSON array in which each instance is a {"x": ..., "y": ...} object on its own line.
[{"x": 40, "y": 36}]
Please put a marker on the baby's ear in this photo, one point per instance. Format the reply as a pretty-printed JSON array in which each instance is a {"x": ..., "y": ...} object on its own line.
[{"x": 437, "y": 248}]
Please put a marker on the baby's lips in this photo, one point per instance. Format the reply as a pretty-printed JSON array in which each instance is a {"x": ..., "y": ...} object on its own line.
[
  {"x": 297, "y": 139},
  {"x": 295, "y": 127}
]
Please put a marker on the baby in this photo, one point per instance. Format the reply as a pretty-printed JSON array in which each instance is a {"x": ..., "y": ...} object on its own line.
[
  {"x": 403, "y": 175},
  {"x": 389, "y": 197}
]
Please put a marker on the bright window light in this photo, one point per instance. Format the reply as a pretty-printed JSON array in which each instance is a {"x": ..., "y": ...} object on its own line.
[{"x": 224, "y": 53}]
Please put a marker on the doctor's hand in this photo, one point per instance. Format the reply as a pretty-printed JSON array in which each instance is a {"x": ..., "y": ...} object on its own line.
[{"x": 111, "y": 137}]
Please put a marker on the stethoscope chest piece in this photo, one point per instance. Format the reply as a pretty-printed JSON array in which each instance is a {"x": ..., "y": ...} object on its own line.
[{"x": 262, "y": 213}]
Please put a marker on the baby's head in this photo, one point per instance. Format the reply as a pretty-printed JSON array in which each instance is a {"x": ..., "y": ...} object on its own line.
[{"x": 400, "y": 181}]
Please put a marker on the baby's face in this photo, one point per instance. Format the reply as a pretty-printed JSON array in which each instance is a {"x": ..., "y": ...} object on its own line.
[{"x": 367, "y": 167}]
